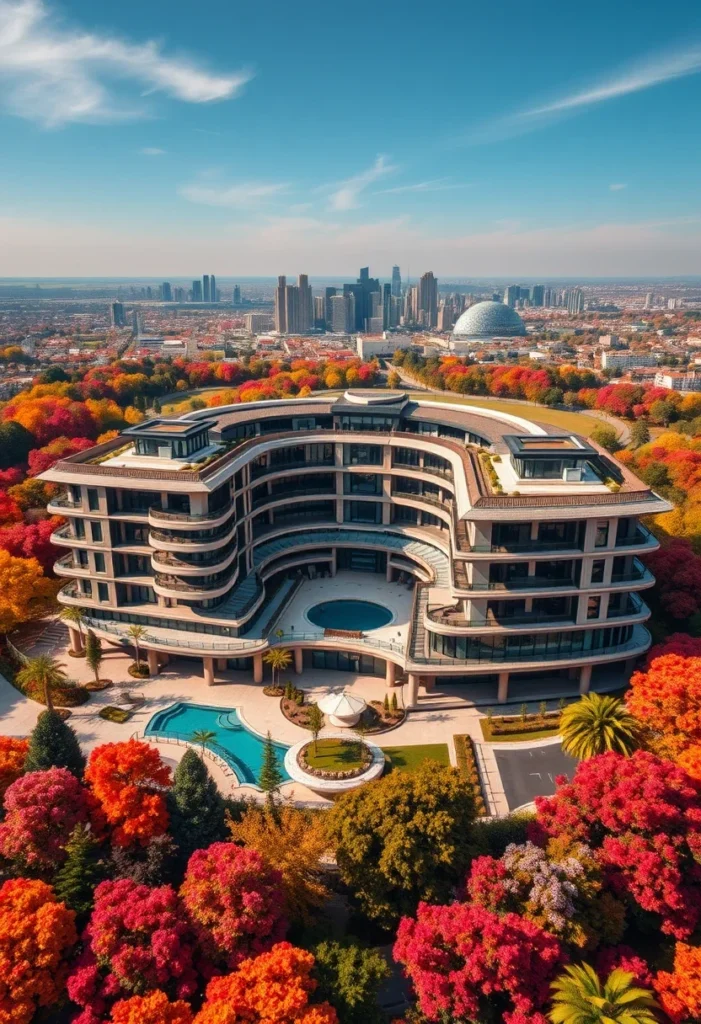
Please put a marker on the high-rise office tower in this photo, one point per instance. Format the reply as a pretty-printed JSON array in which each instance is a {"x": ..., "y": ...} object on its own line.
[
  {"x": 512, "y": 294},
  {"x": 356, "y": 290},
  {"x": 649, "y": 300},
  {"x": 575, "y": 301},
  {"x": 538, "y": 294},
  {"x": 212, "y": 288},
  {"x": 237, "y": 295},
  {"x": 205, "y": 288},
  {"x": 306, "y": 305},
  {"x": 428, "y": 299},
  {"x": 280, "y": 313},
  {"x": 319, "y": 312},
  {"x": 362, "y": 290},
  {"x": 197, "y": 291},
  {"x": 117, "y": 317},
  {"x": 387, "y": 304},
  {"x": 292, "y": 308},
  {"x": 342, "y": 309},
  {"x": 179, "y": 294},
  {"x": 328, "y": 293},
  {"x": 136, "y": 322},
  {"x": 396, "y": 282},
  {"x": 166, "y": 292}
]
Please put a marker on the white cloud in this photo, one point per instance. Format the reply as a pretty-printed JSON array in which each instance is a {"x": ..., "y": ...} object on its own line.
[
  {"x": 346, "y": 193},
  {"x": 237, "y": 196},
  {"x": 55, "y": 75},
  {"x": 437, "y": 185},
  {"x": 617, "y": 187},
  {"x": 152, "y": 151}
]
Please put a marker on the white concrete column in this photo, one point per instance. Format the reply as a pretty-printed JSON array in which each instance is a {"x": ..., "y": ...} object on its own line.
[
  {"x": 503, "y": 691},
  {"x": 584, "y": 678},
  {"x": 412, "y": 697},
  {"x": 76, "y": 640},
  {"x": 257, "y": 668},
  {"x": 152, "y": 658},
  {"x": 388, "y": 573},
  {"x": 208, "y": 671},
  {"x": 299, "y": 660},
  {"x": 390, "y": 672}
]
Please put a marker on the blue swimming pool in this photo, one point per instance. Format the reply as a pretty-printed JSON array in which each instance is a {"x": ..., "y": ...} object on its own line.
[
  {"x": 355, "y": 615},
  {"x": 240, "y": 748}
]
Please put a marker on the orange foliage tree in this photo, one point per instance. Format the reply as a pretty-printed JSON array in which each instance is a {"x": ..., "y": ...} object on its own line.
[
  {"x": 127, "y": 779},
  {"x": 273, "y": 988},
  {"x": 679, "y": 991},
  {"x": 36, "y": 935},
  {"x": 154, "y": 1008},
  {"x": 13, "y": 754},
  {"x": 25, "y": 593},
  {"x": 666, "y": 700}
]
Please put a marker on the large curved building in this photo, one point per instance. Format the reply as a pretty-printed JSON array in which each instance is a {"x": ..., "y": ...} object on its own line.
[
  {"x": 504, "y": 553},
  {"x": 489, "y": 320}
]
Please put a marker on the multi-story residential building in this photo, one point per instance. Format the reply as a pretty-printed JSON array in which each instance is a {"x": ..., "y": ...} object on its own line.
[
  {"x": 676, "y": 381},
  {"x": 626, "y": 360},
  {"x": 521, "y": 546}
]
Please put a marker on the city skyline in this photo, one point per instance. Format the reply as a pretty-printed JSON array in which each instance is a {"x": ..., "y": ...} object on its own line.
[{"x": 127, "y": 155}]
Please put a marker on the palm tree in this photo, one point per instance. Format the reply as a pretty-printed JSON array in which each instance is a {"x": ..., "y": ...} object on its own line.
[
  {"x": 580, "y": 997},
  {"x": 42, "y": 671},
  {"x": 76, "y": 616},
  {"x": 137, "y": 633},
  {"x": 596, "y": 724},
  {"x": 278, "y": 658},
  {"x": 315, "y": 720},
  {"x": 203, "y": 736}
]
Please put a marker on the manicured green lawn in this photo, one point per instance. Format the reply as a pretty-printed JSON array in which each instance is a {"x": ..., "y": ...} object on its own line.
[
  {"x": 520, "y": 737},
  {"x": 577, "y": 422},
  {"x": 405, "y": 759},
  {"x": 334, "y": 755}
]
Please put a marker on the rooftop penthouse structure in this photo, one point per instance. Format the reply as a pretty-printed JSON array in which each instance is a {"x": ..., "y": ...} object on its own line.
[{"x": 517, "y": 548}]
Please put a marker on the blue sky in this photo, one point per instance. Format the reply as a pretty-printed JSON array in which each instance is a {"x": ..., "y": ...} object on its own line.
[{"x": 169, "y": 138}]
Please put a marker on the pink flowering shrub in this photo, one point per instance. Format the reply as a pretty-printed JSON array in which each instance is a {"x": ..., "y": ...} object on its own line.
[
  {"x": 137, "y": 940},
  {"x": 463, "y": 960},
  {"x": 235, "y": 903},
  {"x": 641, "y": 815},
  {"x": 625, "y": 959},
  {"x": 563, "y": 894},
  {"x": 42, "y": 809}
]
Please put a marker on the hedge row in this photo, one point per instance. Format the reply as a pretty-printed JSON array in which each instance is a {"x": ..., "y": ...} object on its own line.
[{"x": 467, "y": 763}]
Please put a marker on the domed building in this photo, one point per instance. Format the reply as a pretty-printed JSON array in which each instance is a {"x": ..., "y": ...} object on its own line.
[{"x": 489, "y": 320}]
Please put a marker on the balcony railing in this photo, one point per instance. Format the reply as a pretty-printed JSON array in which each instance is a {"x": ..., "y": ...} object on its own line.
[
  {"x": 428, "y": 498},
  {"x": 167, "y": 516},
  {"x": 640, "y": 640},
  {"x": 451, "y": 617},
  {"x": 258, "y": 471},
  {"x": 175, "y": 583},
  {"x": 641, "y": 536},
  {"x": 298, "y": 492}
]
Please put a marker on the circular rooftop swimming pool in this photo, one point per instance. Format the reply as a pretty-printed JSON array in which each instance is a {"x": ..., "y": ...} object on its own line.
[{"x": 352, "y": 615}]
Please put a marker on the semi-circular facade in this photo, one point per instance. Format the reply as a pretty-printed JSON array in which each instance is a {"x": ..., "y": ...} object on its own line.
[
  {"x": 489, "y": 320},
  {"x": 515, "y": 550}
]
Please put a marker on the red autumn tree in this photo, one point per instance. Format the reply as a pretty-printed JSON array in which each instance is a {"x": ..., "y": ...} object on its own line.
[
  {"x": 41, "y": 811},
  {"x": 32, "y": 540},
  {"x": 463, "y": 959},
  {"x": 137, "y": 940},
  {"x": 272, "y": 988},
  {"x": 677, "y": 643},
  {"x": 642, "y": 817},
  {"x": 679, "y": 991},
  {"x": 37, "y": 935},
  {"x": 666, "y": 700},
  {"x": 41, "y": 459},
  {"x": 154, "y": 1008},
  {"x": 10, "y": 477},
  {"x": 128, "y": 778},
  {"x": 235, "y": 902},
  {"x": 13, "y": 754},
  {"x": 677, "y": 570},
  {"x": 10, "y": 511},
  {"x": 49, "y": 416}
]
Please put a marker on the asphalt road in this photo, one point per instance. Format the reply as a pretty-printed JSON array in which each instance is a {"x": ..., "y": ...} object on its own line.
[{"x": 526, "y": 774}]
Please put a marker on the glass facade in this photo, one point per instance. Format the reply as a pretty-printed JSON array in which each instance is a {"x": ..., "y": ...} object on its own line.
[{"x": 533, "y": 646}]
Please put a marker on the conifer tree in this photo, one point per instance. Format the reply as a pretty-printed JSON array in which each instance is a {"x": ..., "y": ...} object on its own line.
[
  {"x": 93, "y": 653},
  {"x": 270, "y": 777},
  {"x": 53, "y": 744},
  {"x": 196, "y": 807},
  {"x": 82, "y": 871}
]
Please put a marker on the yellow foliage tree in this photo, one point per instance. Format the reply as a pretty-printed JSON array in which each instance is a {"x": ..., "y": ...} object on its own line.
[
  {"x": 25, "y": 593},
  {"x": 133, "y": 415},
  {"x": 333, "y": 379},
  {"x": 292, "y": 840}
]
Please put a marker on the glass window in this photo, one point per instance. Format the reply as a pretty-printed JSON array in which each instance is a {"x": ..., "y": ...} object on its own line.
[
  {"x": 86, "y": 587},
  {"x": 598, "y": 567},
  {"x": 601, "y": 537},
  {"x": 362, "y": 455},
  {"x": 93, "y": 499},
  {"x": 362, "y": 511},
  {"x": 75, "y": 494},
  {"x": 79, "y": 528},
  {"x": 99, "y": 562},
  {"x": 593, "y": 606},
  {"x": 82, "y": 559},
  {"x": 363, "y": 483},
  {"x": 96, "y": 532},
  {"x": 103, "y": 593}
]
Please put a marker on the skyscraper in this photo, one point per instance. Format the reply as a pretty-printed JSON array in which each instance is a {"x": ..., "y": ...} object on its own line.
[
  {"x": 327, "y": 305},
  {"x": 575, "y": 301},
  {"x": 166, "y": 292},
  {"x": 205, "y": 288},
  {"x": 117, "y": 318},
  {"x": 387, "y": 304},
  {"x": 280, "y": 313},
  {"x": 136, "y": 322},
  {"x": 197, "y": 291},
  {"x": 342, "y": 313},
  {"x": 538, "y": 294},
  {"x": 319, "y": 312},
  {"x": 428, "y": 299},
  {"x": 212, "y": 288},
  {"x": 512, "y": 294},
  {"x": 292, "y": 308},
  {"x": 396, "y": 282},
  {"x": 306, "y": 306},
  {"x": 237, "y": 295}
]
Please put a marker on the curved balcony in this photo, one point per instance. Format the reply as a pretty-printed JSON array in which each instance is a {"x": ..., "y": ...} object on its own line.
[
  {"x": 640, "y": 576},
  {"x": 61, "y": 506},
  {"x": 65, "y": 566},
  {"x": 451, "y": 621},
  {"x": 167, "y": 560},
  {"x": 266, "y": 500},
  {"x": 173, "y": 586},
  {"x": 165, "y": 541},
  {"x": 158, "y": 516}
]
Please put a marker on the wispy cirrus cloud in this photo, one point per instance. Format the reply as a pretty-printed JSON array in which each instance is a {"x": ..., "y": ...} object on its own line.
[
  {"x": 436, "y": 185},
  {"x": 645, "y": 73},
  {"x": 55, "y": 74},
  {"x": 345, "y": 194},
  {"x": 617, "y": 187},
  {"x": 237, "y": 196}
]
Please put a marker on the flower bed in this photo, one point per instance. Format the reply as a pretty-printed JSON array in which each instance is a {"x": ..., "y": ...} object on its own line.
[
  {"x": 273, "y": 691},
  {"x": 328, "y": 761},
  {"x": 384, "y": 718},
  {"x": 467, "y": 763},
  {"x": 544, "y": 724}
]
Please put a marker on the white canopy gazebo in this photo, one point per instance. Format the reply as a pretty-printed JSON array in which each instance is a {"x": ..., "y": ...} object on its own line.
[{"x": 343, "y": 709}]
